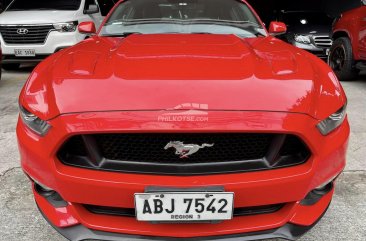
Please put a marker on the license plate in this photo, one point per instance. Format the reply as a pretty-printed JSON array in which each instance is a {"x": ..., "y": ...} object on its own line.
[
  {"x": 25, "y": 52},
  {"x": 184, "y": 206}
]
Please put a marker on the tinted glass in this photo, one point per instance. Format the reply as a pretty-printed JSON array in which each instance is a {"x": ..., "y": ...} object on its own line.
[
  {"x": 19, "y": 5},
  {"x": 106, "y": 5},
  {"x": 183, "y": 16}
]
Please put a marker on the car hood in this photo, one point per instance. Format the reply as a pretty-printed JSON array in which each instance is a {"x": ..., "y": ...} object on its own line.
[
  {"x": 161, "y": 72},
  {"x": 36, "y": 17}
]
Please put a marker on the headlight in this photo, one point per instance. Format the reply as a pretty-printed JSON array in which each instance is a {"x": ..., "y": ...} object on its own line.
[
  {"x": 332, "y": 122},
  {"x": 37, "y": 125},
  {"x": 66, "y": 27},
  {"x": 302, "y": 39}
]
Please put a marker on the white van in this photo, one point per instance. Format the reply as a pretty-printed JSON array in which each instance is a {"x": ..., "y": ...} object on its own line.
[{"x": 33, "y": 30}]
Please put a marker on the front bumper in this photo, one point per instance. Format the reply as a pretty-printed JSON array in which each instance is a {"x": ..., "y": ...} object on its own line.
[
  {"x": 55, "y": 41},
  {"x": 113, "y": 189},
  {"x": 288, "y": 232}
]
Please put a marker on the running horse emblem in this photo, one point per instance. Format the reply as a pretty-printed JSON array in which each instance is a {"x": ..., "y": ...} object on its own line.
[{"x": 185, "y": 150}]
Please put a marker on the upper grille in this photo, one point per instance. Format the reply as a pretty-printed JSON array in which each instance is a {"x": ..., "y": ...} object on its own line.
[
  {"x": 145, "y": 153},
  {"x": 145, "y": 147},
  {"x": 35, "y": 34},
  {"x": 322, "y": 41}
]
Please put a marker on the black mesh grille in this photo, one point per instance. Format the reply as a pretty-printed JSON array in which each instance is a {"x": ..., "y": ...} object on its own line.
[
  {"x": 75, "y": 146},
  {"x": 292, "y": 145},
  {"x": 150, "y": 147},
  {"x": 31, "y": 34},
  {"x": 146, "y": 153},
  {"x": 130, "y": 212}
]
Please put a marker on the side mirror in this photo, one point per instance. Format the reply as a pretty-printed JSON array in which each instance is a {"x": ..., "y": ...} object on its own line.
[
  {"x": 277, "y": 28},
  {"x": 87, "y": 28},
  {"x": 92, "y": 8}
]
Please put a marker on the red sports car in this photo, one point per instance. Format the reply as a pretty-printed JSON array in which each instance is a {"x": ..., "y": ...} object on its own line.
[
  {"x": 184, "y": 120},
  {"x": 348, "y": 53}
]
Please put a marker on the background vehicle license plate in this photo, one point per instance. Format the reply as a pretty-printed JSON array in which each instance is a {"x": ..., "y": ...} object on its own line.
[
  {"x": 25, "y": 52},
  {"x": 184, "y": 206}
]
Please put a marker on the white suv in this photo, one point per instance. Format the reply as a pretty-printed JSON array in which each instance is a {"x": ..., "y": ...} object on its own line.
[{"x": 33, "y": 30}]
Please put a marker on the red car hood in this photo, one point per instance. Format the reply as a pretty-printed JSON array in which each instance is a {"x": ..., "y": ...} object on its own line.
[{"x": 157, "y": 72}]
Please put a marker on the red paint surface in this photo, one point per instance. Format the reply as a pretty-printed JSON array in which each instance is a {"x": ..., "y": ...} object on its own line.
[{"x": 109, "y": 85}]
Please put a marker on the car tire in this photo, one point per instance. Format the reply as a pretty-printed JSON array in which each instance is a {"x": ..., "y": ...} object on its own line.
[
  {"x": 10, "y": 66},
  {"x": 341, "y": 59}
]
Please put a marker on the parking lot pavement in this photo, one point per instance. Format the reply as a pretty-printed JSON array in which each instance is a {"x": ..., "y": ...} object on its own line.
[{"x": 20, "y": 220}]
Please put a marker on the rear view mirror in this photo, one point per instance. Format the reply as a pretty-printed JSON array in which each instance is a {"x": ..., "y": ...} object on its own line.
[
  {"x": 277, "y": 28},
  {"x": 92, "y": 8},
  {"x": 87, "y": 27}
]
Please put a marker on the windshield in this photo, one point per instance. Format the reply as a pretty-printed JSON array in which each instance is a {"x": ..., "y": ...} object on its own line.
[
  {"x": 19, "y": 5},
  {"x": 183, "y": 16},
  {"x": 306, "y": 18}
]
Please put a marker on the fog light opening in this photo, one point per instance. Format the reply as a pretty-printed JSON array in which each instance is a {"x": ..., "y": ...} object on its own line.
[
  {"x": 326, "y": 184},
  {"x": 40, "y": 185},
  {"x": 53, "y": 197},
  {"x": 43, "y": 190},
  {"x": 316, "y": 194},
  {"x": 324, "y": 189},
  {"x": 321, "y": 187}
]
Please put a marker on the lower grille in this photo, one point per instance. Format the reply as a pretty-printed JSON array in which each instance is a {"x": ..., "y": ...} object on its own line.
[
  {"x": 130, "y": 212},
  {"x": 25, "y": 34},
  {"x": 322, "y": 41},
  {"x": 154, "y": 154}
]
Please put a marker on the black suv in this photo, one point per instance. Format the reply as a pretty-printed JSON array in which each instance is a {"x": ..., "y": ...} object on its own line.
[{"x": 308, "y": 30}]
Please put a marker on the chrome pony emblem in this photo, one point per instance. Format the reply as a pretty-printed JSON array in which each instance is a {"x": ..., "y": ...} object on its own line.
[
  {"x": 22, "y": 31},
  {"x": 185, "y": 150}
]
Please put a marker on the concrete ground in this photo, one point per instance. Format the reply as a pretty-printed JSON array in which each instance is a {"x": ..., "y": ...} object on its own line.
[{"x": 20, "y": 220}]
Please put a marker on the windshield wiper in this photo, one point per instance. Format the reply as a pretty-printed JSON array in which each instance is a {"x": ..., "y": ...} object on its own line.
[
  {"x": 125, "y": 34},
  {"x": 181, "y": 21},
  {"x": 220, "y": 21},
  {"x": 197, "y": 32}
]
